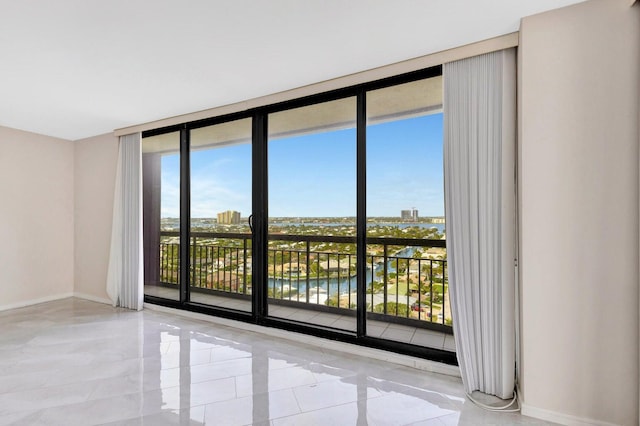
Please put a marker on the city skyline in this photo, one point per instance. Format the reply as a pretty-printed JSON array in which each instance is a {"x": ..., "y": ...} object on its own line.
[{"x": 314, "y": 175}]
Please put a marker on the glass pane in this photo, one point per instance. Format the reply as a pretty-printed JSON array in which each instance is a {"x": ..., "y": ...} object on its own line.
[
  {"x": 405, "y": 201},
  {"x": 221, "y": 256},
  {"x": 161, "y": 215},
  {"x": 312, "y": 209}
]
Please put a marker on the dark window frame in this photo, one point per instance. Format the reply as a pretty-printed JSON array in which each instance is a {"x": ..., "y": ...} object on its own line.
[{"x": 258, "y": 314}]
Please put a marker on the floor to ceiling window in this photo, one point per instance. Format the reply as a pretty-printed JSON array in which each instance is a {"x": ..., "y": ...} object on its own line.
[
  {"x": 161, "y": 214},
  {"x": 324, "y": 213},
  {"x": 406, "y": 252},
  {"x": 220, "y": 206},
  {"x": 312, "y": 214}
]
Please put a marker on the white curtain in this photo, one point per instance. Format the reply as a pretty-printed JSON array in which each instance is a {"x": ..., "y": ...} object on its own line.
[
  {"x": 126, "y": 273},
  {"x": 479, "y": 167}
]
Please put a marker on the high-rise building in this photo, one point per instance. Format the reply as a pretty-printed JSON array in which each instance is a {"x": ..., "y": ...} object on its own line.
[
  {"x": 230, "y": 217},
  {"x": 409, "y": 215}
]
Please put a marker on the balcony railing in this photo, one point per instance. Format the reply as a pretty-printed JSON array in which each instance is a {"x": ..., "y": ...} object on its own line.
[{"x": 404, "y": 283}]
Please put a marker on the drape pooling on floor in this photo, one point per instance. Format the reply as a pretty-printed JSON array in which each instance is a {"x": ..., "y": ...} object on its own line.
[
  {"x": 126, "y": 274},
  {"x": 479, "y": 167}
]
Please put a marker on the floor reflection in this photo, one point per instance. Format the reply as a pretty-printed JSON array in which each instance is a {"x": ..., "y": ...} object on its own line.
[{"x": 79, "y": 362}]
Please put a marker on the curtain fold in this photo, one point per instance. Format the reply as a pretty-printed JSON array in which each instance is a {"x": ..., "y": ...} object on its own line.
[
  {"x": 479, "y": 168},
  {"x": 126, "y": 274}
]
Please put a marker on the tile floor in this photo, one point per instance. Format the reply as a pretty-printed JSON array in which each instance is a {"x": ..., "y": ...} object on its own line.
[
  {"x": 396, "y": 332},
  {"x": 75, "y": 362}
]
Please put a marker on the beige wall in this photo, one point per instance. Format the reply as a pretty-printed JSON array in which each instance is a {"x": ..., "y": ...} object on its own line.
[
  {"x": 579, "y": 77},
  {"x": 95, "y": 161},
  {"x": 579, "y": 220},
  {"x": 36, "y": 218}
]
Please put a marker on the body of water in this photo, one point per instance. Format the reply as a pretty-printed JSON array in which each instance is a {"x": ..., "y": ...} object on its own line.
[{"x": 333, "y": 286}]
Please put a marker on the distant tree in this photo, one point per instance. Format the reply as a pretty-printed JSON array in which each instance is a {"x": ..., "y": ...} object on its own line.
[
  {"x": 393, "y": 308},
  {"x": 376, "y": 287}
]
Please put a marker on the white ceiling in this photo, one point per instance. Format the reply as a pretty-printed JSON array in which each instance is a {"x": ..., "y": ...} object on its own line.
[{"x": 78, "y": 68}]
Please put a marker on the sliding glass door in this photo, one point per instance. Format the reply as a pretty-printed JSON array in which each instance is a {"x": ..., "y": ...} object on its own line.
[
  {"x": 406, "y": 256},
  {"x": 220, "y": 204},
  {"x": 311, "y": 265},
  {"x": 346, "y": 194}
]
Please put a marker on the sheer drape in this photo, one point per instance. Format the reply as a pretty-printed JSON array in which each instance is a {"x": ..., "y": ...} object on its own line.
[
  {"x": 125, "y": 275},
  {"x": 479, "y": 164}
]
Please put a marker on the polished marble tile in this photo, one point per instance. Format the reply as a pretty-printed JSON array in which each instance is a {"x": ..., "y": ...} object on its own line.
[
  {"x": 125, "y": 385},
  {"x": 45, "y": 397},
  {"x": 358, "y": 364},
  {"x": 16, "y": 382},
  {"x": 225, "y": 353},
  {"x": 323, "y": 371},
  {"x": 94, "y": 371},
  {"x": 19, "y": 417},
  {"x": 74, "y": 362},
  {"x": 253, "y": 409},
  {"x": 345, "y": 414},
  {"x": 174, "y": 360},
  {"x": 333, "y": 392},
  {"x": 220, "y": 370},
  {"x": 408, "y": 406},
  {"x": 208, "y": 392},
  {"x": 91, "y": 412},
  {"x": 284, "y": 378},
  {"x": 192, "y": 416}
]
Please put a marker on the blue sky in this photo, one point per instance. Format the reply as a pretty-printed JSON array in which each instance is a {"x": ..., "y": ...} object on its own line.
[{"x": 315, "y": 175}]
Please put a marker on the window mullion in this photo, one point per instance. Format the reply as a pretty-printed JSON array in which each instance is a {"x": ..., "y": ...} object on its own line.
[
  {"x": 361, "y": 209},
  {"x": 185, "y": 215}
]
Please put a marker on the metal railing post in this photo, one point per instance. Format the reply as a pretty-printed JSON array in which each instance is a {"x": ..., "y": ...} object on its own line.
[
  {"x": 308, "y": 268},
  {"x": 384, "y": 279},
  {"x": 431, "y": 290}
]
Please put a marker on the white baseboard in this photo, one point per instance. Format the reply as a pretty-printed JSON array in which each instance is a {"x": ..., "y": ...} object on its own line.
[
  {"x": 92, "y": 298},
  {"x": 31, "y": 302},
  {"x": 409, "y": 361},
  {"x": 561, "y": 418},
  {"x": 35, "y": 301}
]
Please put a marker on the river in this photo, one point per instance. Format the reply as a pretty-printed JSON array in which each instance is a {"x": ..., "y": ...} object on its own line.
[{"x": 342, "y": 286}]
